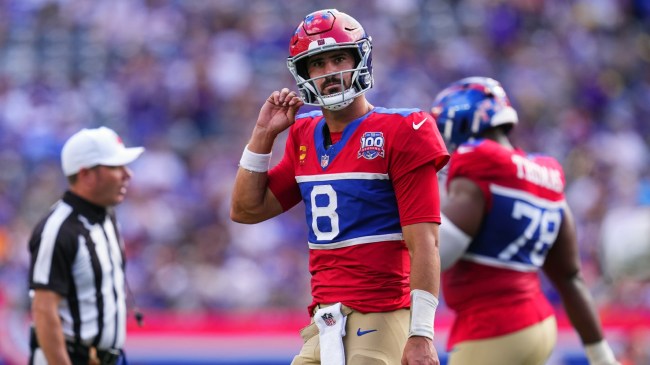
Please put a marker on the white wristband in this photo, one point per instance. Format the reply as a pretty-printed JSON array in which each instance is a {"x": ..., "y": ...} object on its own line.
[
  {"x": 423, "y": 312},
  {"x": 255, "y": 162},
  {"x": 600, "y": 353}
]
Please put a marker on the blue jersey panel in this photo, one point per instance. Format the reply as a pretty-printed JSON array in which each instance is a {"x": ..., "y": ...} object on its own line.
[
  {"x": 401, "y": 111},
  {"x": 349, "y": 208},
  {"x": 518, "y": 231}
]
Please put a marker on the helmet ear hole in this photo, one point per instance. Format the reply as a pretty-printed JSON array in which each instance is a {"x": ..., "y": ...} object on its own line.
[
  {"x": 464, "y": 126},
  {"x": 301, "y": 68}
]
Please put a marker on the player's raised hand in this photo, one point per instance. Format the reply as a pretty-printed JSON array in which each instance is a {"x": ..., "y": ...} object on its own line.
[{"x": 279, "y": 111}]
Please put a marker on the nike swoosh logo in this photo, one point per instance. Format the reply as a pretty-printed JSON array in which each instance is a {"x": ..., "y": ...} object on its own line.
[
  {"x": 417, "y": 126},
  {"x": 361, "y": 333}
]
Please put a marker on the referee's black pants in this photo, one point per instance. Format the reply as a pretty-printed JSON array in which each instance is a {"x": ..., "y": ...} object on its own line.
[{"x": 79, "y": 353}]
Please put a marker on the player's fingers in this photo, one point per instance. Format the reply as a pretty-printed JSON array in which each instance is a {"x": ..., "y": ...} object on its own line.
[
  {"x": 295, "y": 101},
  {"x": 274, "y": 98},
  {"x": 286, "y": 96},
  {"x": 294, "y": 105},
  {"x": 289, "y": 100}
]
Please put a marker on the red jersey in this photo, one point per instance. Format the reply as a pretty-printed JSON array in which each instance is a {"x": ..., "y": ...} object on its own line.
[
  {"x": 356, "y": 201},
  {"x": 494, "y": 288}
]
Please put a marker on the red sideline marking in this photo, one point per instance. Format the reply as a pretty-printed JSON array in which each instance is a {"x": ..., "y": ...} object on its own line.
[{"x": 291, "y": 321}]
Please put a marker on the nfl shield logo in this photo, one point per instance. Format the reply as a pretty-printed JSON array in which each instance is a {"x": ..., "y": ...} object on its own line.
[
  {"x": 329, "y": 319},
  {"x": 324, "y": 161}
]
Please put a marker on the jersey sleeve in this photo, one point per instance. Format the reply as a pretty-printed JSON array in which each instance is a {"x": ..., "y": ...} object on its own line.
[
  {"x": 471, "y": 163},
  {"x": 418, "y": 197},
  {"x": 416, "y": 142},
  {"x": 282, "y": 179},
  {"x": 52, "y": 258}
]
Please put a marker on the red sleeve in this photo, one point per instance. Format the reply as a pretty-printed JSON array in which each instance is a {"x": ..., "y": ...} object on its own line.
[
  {"x": 282, "y": 177},
  {"x": 416, "y": 142},
  {"x": 418, "y": 197},
  {"x": 477, "y": 167}
]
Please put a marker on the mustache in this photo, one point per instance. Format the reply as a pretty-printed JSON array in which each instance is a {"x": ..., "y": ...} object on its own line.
[{"x": 332, "y": 80}]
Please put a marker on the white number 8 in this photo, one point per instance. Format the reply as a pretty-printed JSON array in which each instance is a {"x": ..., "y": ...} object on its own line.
[{"x": 328, "y": 211}]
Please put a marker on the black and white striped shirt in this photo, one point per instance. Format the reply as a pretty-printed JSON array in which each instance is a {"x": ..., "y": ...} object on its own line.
[{"x": 77, "y": 251}]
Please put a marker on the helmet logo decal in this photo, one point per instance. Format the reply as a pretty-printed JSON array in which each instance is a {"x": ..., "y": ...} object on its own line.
[
  {"x": 372, "y": 145},
  {"x": 318, "y": 22},
  {"x": 321, "y": 42}
]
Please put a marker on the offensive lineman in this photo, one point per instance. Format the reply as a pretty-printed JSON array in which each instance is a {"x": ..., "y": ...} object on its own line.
[{"x": 505, "y": 218}]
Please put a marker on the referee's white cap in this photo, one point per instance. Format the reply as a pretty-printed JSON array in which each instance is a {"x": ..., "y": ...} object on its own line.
[{"x": 92, "y": 147}]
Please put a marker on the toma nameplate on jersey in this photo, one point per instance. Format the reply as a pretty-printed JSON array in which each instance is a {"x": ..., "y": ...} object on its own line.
[
  {"x": 372, "y": 145},
  {"x": 543, "y": 176}
]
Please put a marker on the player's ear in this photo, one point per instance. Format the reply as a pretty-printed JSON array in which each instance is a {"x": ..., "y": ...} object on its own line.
[{"x": 87, "y": 172}]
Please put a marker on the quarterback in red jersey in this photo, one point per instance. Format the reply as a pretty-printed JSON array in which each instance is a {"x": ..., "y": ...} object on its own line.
[
  {"x": 504, "y": 219},
  {"x": 365, "y": 175}
]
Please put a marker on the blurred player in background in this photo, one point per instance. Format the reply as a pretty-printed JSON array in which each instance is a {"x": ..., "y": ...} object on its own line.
[
  {"x": 365, "y": 174},
  {"x": 504, "y": 218}
]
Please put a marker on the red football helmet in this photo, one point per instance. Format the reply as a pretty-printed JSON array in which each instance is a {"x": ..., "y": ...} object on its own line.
[{"x": 323, "y": 31}]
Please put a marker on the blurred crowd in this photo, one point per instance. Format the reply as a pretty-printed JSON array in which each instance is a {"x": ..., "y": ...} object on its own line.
[{"x": 186, "y": 79}]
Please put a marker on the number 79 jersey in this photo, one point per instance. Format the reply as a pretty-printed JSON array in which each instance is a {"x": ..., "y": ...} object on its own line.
[
  {"x": 524, "y": 204},
  {"x": 524, "y": 209},
  {"x": 354, "y": 211}
]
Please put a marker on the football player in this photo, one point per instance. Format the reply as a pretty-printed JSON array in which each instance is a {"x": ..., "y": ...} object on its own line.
[
  {"x": 504, "y": 219},
  {"x": 367, "y": 178}
]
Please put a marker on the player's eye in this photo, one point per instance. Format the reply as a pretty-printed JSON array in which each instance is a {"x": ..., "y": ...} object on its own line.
[{"x": 315, "y": 63}]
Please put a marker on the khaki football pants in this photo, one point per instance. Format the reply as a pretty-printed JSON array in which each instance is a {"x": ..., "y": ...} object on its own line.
[
  {"x": 530, "y": 346},
  {"x": 371, "y": 339}
]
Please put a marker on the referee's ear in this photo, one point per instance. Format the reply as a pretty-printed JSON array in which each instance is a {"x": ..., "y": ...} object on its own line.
[
  {"x": 72, "y": 179},
  {"x": 83, "y": 172}
]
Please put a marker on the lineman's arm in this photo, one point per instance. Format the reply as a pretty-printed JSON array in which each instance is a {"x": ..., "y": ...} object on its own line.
[
  {"x": 422, "y": 242},
  {"x": 49, "y": 330},
  {"x": 462, "y": 214},
  {"x": 562, "y": 266},
  {"x": 252, "y": 201}
]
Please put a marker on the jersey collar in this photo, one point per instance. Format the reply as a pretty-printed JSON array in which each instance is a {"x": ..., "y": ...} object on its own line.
[
  {"x": 327, "y": 156},
  {"x": 94, "y": 213}
]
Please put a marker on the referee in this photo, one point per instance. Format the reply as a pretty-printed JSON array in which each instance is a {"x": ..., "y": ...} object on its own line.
[{"x": 77, "y": 281}]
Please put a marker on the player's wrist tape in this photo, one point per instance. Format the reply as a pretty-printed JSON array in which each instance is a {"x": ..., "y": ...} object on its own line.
[
  {"x": 256, "y": 162},
  {"x": 423, "y": 312},
  {"x": 600, "y": 353}
]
